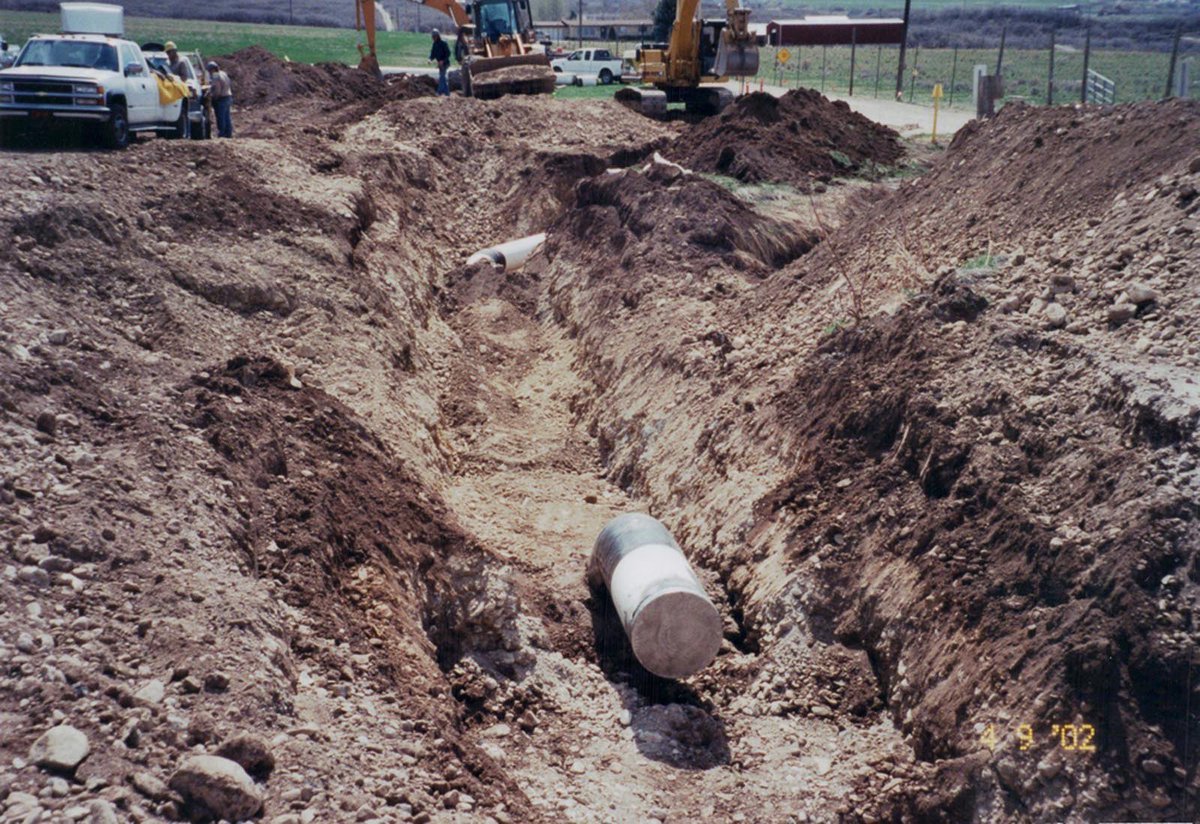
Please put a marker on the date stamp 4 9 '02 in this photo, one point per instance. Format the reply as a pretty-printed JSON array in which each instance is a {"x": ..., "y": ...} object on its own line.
[{"x": 1068, "y": 737}]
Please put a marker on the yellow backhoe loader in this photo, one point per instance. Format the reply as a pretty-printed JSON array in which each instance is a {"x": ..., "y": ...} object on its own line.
[
  {"x": 699, "y": 51},
  {"x": 493, "y": 38}
]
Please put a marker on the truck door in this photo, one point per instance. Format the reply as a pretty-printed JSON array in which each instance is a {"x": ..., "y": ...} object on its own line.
[{"x": 141, "y": 90}]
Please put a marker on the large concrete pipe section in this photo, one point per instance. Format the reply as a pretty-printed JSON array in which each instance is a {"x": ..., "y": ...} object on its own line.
[
  {"x": 673, "y": 627},
  {"x": 509, "y": 255}
]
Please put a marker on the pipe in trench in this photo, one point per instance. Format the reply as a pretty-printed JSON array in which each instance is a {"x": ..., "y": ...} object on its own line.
[
  {"x": 671, "y": 624},
  {"x": 509, "y": 255}
]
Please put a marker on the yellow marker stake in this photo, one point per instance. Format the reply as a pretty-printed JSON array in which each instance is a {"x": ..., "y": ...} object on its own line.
[{"x": 937, "y": 100}]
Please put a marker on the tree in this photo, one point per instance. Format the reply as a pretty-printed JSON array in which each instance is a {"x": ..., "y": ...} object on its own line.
[{"x": 664, "y": 18}]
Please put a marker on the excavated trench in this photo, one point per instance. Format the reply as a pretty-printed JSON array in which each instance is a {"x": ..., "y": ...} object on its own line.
[{"x": 922, "y": 510}]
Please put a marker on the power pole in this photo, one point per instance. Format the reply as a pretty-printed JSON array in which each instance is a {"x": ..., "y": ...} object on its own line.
[
  {"x": 1000, "y": 57},
  {"x": 1050, "y": 82},
  {"x": 581, "y": 24},
  {"x": 1087, "y": 56},
  {"x": 903, "y": 46},
  {"x": 1174, "y": 57}
]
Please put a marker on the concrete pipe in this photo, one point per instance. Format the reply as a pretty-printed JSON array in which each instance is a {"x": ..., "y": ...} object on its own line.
[
  {"x": 510, "y": 255},
  {"x": 671, "y": 624}
]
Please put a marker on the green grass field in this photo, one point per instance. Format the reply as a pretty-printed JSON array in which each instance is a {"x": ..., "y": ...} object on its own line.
[
  {"x": 1138, "y": 75},
  {"x": 300, "y": 43}
]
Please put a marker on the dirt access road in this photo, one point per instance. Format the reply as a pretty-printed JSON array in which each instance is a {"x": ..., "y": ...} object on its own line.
[{"x": 286, "y": 482}]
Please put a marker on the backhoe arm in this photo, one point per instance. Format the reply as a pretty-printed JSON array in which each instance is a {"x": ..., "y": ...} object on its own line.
[{"x": 451, "y": 8}]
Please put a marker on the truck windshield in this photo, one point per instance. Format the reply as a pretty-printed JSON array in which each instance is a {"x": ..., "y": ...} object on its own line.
[{"x": 76, "y": 53}]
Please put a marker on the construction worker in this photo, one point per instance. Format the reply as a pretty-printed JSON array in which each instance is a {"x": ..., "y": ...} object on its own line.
[
  {"x": 221, "y": 93},
  {"x": 179, "y": 66},
  {"x": 462, "y": 45},
  {"x": 440, "y": 54}
]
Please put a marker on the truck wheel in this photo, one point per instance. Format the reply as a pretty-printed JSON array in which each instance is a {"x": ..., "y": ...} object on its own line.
[
  {"x": 180, "y": 132},
  {"x": 606, "y": 77},
  {"x": 116, "y": 130}
]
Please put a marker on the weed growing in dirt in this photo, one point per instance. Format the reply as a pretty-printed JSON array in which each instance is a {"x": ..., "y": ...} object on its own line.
[
  {"x": 841, "y": 159},
  {"x": 983, "y": 261},
  {"x": 854, "y": 290}
]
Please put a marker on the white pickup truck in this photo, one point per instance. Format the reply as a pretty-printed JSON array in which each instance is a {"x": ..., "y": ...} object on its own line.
[
  {"x": 89, "y": 74},
  {"x": 599, "y": 62}
]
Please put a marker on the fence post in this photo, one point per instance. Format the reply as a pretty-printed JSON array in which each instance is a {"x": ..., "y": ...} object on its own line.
[
  {"x": 903, "y": 46},
  {"x": 878, "y": 66},
  {"x": 1087, "y": 56},
  {"x": 1000, "y": 57},
  {"x": 912, "y": 88},
  {"x": 1174, "y": 57},
  {"x": 853, "y": 52},
  {"x": 953, "y": 74},
  {"x": 823, "y": 50},
  {"x": 1050, "y": 81}
]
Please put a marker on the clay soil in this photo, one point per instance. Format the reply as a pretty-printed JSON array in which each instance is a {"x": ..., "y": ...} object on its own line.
[{"x": 276, "y": 463}]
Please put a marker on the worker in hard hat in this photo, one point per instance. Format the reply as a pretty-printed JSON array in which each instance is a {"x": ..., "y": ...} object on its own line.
[
  {"x": 440, "y": 54},
  {"x": 221, "y": 92},
  {"x": 178, "y": 65}
]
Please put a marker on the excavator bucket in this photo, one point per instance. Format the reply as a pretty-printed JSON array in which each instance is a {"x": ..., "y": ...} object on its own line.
[
  {"x": 736, "y": 59},
  {"x": 490, "y": 77}
]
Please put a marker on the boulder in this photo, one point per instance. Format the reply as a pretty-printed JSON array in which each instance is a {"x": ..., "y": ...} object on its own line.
[
  {"x": 218, "y": 786},
  {"x": 60, "y": 748}
]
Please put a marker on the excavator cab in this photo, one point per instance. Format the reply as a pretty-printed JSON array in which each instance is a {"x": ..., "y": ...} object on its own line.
[{"x": 498, "y": 20}]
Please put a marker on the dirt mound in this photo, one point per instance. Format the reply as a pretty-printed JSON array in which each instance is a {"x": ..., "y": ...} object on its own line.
[
  {"x": 261, "y": 79},
  {"x": 659, "y": 213},
  {"x": 798, "y": 138}
]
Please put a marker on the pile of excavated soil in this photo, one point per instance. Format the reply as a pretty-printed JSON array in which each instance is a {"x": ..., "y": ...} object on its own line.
[
  {"x": 799, "y": 138},
  {"x": 262, "y": 79},
  {"x": 534, "y": 78}
]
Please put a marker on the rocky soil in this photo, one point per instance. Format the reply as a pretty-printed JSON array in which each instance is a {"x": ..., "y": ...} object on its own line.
[{"x": 295, "y": 507}]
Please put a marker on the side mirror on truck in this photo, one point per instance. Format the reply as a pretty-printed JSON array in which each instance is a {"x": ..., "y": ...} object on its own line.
[{"x": 133, "y": 68}]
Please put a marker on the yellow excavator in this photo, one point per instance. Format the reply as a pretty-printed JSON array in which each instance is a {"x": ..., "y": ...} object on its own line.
[
  {"x": 699, "y": 51},
  {"x": 494, "y": 38}
]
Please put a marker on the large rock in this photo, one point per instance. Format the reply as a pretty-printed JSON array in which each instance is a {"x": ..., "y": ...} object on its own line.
[
  {"x": 60, "y": 748},
  {"x": 101, "y": 812},
  {"x": 251, "y": 752},
  {"x": 1054, "y": 316},
  {"x": 218, "y": 786}
]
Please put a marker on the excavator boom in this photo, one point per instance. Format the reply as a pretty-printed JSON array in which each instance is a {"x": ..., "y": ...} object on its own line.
[{"x": 697, "y": 52}]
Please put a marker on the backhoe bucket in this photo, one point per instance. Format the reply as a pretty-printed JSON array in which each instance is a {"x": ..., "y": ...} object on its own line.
[
  {"x": 736, "y": 59},
  {"x": 490, "y": 77}
]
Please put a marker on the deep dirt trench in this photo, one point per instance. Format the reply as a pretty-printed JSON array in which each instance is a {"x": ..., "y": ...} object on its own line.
[{"x": 326, "y": 486}]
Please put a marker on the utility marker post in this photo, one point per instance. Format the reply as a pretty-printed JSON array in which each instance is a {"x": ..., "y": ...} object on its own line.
[{"x": 937, "y": 100}]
